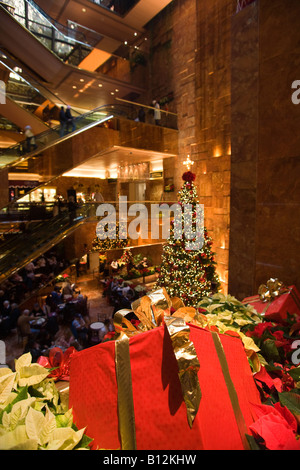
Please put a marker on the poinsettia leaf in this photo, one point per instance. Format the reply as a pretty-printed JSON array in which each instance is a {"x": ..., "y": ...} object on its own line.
[
  {"x": 252, "y": 442},
  {"x": 32, "y": 374},
  {"x": 34, "y": 423},
  {"x": 6, "y": 385},
  {"x": 292, "y": 401},
  {"x": 295, "y": 373},
  {"x": 269, "y": 349},
  {"x": 13, "y": 439},
  {"x": 84, "y": 442}
]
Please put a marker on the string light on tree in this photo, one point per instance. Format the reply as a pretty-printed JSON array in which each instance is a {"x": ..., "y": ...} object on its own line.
[{"x": 188, "y": 274}]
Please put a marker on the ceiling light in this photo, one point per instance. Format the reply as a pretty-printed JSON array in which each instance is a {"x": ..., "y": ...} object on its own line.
[
  {"x": 100, "y": 85},
  {"x": 135, "y": 34},
  {"x": 81, "y": 80},
  {"x": 116, "y": 90},
  {"x": 84, "y": 10},
  {"x": 125, "y": 42},
  {"x": 74, "y": 86},
  {"x": 112, "y": 93}
]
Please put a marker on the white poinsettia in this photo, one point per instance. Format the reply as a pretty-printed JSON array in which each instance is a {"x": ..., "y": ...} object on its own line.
[{"x": 32, "y": 416}]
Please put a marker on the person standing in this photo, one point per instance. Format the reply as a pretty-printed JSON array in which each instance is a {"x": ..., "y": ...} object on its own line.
[
  {"x": 98, "y": 196},
  {"x": 62, "y": 121},
  {"x": 70, "y": 119},
  {"x": 157, "y": 112},
  {"x": 30, "y": 139}
]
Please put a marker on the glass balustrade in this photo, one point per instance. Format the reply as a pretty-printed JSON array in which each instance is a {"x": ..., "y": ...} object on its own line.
[
  {"x": 66, "y": 42},
  {"x": 39, "y": 236},
  {"x": 16, "y": 154}
]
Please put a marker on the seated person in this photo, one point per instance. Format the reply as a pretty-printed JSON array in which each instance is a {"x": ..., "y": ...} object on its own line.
[
  {"x": 56, "y": 295},
  {"x": 37, "y": 311},
  {"x": 66, "y": 290},
  {"x": 79, "y": 328}
]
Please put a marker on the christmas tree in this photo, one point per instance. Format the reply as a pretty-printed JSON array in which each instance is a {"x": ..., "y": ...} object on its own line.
[
  {"x": 113, "y": 240},
  {"x": 189, "y": 274}
]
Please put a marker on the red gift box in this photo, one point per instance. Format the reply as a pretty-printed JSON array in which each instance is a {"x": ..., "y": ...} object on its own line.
[
  {"x": 277, "y": 310},
  {"x": 160, "y": 414}
]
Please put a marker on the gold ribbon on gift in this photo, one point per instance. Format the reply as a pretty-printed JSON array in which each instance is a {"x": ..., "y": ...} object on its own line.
[
  {"x": 271, "y": 290},
  {"x": 240, "y": 421},
  {"x": 188, "y": 364},
  {"x": 125, "y": 395},
  {"x": 153, "y": 310}
]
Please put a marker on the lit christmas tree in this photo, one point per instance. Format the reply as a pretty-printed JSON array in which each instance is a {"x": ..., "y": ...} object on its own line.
[
  {"x": 189, "y": 274},
  {"x": 113, "y": 240}
]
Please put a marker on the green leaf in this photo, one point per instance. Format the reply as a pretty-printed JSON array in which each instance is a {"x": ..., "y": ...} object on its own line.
[
  {"x": 295, "y": 373},
  {"x": 271, "y": 352},
  {"x": 292, "y": 401},
  {"x": 84, "y": 442}
]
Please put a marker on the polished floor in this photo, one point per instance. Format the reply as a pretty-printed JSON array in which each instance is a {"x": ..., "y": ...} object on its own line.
[{"x": 97, "y": 304}]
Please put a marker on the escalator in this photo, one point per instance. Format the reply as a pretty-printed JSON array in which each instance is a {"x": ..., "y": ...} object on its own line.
[
  {"x": 19, "y": 251},
  {"x": 17, "y": 154},
  {"x": 45, "y": 60},
  {"x": 21, "y": 117}
]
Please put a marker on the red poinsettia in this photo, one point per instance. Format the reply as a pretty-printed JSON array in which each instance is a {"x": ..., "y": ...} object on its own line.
[
  {"x": 276, "y": 426},
  {"x": 259, "y": 329}
]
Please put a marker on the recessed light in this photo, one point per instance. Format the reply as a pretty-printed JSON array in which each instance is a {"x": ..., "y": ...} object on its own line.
[
  {"x": 84, "y": 10},
  {"x": 112, "y": 93},
  {"x": 74, "y": 86},
  {"x": 116, "y": 90},
  {"x": 125, "y": 42},
  {"x": 135, "y": 34},
  {"x": 100, "y": 85},
  {"x": 81, "y": 80}
]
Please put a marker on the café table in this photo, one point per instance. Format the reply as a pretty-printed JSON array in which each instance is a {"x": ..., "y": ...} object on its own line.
[{"x": 95, "y": 331}]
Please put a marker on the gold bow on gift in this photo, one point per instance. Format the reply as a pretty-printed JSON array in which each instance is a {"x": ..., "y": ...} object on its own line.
[
  {"x": 273, "y": 289},
  {"x": 154, "y": 310}
]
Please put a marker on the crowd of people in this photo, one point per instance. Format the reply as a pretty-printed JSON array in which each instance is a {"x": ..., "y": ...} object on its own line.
[
  {"x": 32, "y": 277},
  {"x": 61, "y": 321}
]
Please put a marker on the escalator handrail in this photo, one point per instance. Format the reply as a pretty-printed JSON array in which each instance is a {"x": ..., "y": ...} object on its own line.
[
  {"x": 49, "y": 231},
  {"x": 112, "y": 108}
]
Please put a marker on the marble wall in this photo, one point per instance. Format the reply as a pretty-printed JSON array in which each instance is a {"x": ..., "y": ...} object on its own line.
[
  {"x": 197, "y": 70},
  {"x": 265, "y": 194}
]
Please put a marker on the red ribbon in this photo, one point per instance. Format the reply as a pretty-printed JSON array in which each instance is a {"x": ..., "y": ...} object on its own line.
[{"x": 60, "y": 360}]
